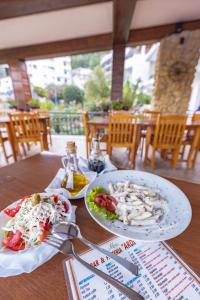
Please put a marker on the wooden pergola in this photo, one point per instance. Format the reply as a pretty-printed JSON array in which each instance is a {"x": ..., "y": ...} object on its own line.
[{"x": 94, "y": 25}]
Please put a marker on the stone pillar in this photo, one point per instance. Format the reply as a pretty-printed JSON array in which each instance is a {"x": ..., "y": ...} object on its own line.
[
  {"x": 118, "y": 71},
  {"x": 175, "y": 69},
  {"x": 20, "y": 81}
]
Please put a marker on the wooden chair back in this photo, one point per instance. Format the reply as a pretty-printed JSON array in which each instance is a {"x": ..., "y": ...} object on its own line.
[
  {"x": 196, "y": 118},
  {"x": 41, "y": 112},
  {"x": 169, "y": 131},
  {"x": 150, "y": 114},
  {"x": 122, "y": 129},
  {"x": 25, "y": 127}
]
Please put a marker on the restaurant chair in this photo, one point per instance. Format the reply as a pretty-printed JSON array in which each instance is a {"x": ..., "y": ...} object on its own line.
[
  {"x": 191, "y": 140},
  {"x": 45, "y": 114},
  {"x": 3, "y": 140},
  {"x": 25, "y": 129},
  {"x": 122, "y": 132},
  {"x": 167, "y": 138},
  {"x": 147, "y": 116}
]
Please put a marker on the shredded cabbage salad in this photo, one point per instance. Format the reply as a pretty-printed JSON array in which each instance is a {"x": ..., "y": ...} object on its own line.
[{"x": 32, "y": 219}]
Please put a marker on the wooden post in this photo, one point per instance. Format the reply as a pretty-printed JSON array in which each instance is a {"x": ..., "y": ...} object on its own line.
[
  {"x": 118, "y": 71},
  {"x": 20, "y": 81}
]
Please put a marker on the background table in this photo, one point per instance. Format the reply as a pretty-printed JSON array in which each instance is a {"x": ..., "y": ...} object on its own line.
[{"x": 47, "y": 282}]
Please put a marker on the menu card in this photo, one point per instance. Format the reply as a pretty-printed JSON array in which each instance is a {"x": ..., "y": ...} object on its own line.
[{"x": 163, "y": 275}]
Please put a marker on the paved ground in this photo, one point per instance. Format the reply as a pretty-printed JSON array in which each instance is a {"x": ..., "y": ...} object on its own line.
[{"x": 162, "y": 168}]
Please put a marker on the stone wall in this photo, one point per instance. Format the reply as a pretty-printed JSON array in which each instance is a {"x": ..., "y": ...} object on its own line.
[{"x": 175, "y": 69}]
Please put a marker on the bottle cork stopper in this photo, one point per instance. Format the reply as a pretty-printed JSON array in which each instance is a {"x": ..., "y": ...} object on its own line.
[{"x": 71, "y": 147}]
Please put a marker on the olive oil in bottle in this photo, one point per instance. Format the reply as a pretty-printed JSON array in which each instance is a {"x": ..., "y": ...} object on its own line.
[{"x": 74, "y": 181}]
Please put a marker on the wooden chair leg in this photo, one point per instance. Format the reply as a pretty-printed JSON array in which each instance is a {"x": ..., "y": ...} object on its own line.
[
  {"x": 4, "y": 152},
  {"x": 175, "y": 158},
  {"x": 153, "y": 159},
  {"x": 183, "y": 152},
  {"x": 109, "y": 151},
  {"x": 132, "y": 157},
  {"x": 146, "y": 155}
]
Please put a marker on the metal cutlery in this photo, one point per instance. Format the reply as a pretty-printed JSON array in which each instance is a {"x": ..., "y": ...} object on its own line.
[
  {"x": 73, "y": 231},
  {"x": 66, "y": 247}
]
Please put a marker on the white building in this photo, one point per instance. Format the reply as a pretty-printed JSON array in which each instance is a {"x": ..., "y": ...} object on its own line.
[
  {"x": 6, "y": 88},
  {"x": 80, "y": 76},
  {"x": 47, "y": 71}
]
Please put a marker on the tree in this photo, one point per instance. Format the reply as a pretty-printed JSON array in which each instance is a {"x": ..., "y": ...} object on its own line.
[
  {"x": 41, "y": 92},
  {"x": 90, "y": 60},
  {"x": 55, "y": 92},
  {"x": 97, "y": 90},
  {"x": 73, "y": 93}
]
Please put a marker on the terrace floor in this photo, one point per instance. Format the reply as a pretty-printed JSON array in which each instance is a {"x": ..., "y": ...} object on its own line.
[{"x": 120, "y": 159}]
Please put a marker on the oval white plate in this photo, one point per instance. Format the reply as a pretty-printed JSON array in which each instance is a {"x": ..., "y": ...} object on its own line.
[
  {"x": 177, "y": 216},
  {"x": 17, "y": 262}
]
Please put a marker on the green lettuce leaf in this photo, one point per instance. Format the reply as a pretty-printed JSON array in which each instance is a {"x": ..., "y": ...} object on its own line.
[{"x": 97, "y": 209}]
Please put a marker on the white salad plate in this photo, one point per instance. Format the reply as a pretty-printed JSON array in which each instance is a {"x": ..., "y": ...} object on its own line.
[
  {"x": 176, "y": 218},
  {"x": 25, "y": 261}
]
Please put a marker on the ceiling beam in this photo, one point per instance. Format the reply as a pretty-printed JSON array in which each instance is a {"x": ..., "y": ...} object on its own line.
[
  {"x": 92, "y": 43},
  {"x": 154, "y": 34},
  {"x": 60, "y": 48},
  {"x": 122, "y": 16},
  {"x": 17, "y": 8}
]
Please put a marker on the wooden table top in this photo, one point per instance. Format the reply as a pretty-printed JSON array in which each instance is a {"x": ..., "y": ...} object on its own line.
[
  {"x": 103, "y": 122},
  {"x": 5, "y": 119},
  {"x": 47, "y": 282}
]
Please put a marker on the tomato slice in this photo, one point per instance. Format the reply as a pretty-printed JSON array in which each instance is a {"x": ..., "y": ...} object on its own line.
[
  {"x": 14, "y": 241},
  {"x": 43, "y": 235},
  {"x": 106, "y": 201},
  {"x": 66, "y": 207},
  {"x": 55, "y": 198},
  {"x": 11, "y": 212}
]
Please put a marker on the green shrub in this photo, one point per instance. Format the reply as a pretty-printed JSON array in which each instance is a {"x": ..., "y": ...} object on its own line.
[
  {"x": 73, "y": 93},
  {"x": 34, "y": 103},
  {"x": 41, "y": 92}
]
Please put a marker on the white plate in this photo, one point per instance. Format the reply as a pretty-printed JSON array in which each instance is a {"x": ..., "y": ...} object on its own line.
[
  {"x": 17, "y": 262},
  {"x": 177, "y": 216}
]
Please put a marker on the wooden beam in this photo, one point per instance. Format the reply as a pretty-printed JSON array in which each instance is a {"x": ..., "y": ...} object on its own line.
[
  {"x": 92, "y": 43},
  {"x": 20, "y": 81},
  {"x": 60, "y": 48},
  {"x": 118, "y": 71},
  {"x": 17, "y": 8},
  {"x": 153, "y": 34},
  {"x": 122, "y": 17}
]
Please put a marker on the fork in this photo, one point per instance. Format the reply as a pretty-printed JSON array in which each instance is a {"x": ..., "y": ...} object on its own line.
[
  {"x": 73, "y": 231},
  {"x": 66, "y": 247}
]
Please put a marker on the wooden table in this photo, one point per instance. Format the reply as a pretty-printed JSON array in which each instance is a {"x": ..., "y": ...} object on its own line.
[
  {"x": 5, "y": 122},
  {"x": 98, "y": 123},
  {"x": 47, "y": 282}
]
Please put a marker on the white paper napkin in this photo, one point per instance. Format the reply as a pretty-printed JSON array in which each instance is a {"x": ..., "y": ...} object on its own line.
[
  {"x": 83, "y": 165},
  {"x": 55, "y": 185},
  {"x": 14, "y": 263}
]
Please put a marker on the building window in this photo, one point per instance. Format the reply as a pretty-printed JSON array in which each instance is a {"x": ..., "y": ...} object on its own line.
[
  {"x": 64, "y": 63},
  {"x": 58, "y": 78},
  {"x": 34, "y": 66},
  {"x": 65, "y": 71}
]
